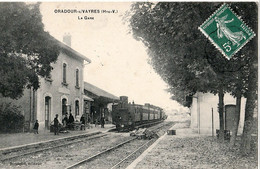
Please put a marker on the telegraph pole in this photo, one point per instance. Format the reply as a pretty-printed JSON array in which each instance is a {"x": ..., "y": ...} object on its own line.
[{"x": 212, "y": 123}]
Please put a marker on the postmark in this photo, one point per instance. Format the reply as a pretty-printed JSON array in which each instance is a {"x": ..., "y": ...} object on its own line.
[{"x": 226, "y": 31}]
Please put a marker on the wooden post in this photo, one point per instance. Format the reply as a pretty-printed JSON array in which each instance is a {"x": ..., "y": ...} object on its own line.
[
  {"x": 198, "y": 110},
  {"x": 212, "y": 123}
]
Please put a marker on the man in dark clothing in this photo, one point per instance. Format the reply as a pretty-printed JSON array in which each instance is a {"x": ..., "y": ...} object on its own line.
[
  {"x": 36, "y": 126},
  {"x": 82, "y": 120},
  {"x": 56, "y": 125},
  {"x": 71, "y": 120},
  {"x": 102, "y": 122}
]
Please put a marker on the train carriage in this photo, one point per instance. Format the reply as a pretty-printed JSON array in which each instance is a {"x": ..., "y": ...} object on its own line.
[{"x": 127, "y": 116}]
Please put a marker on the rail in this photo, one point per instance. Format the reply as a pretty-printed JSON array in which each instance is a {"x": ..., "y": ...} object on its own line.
[
  {"x": 148, "y": 124},
  {"x": 99, "y": 154},
  {"x": 52, "y": 147},
  {"x": 123, "y": 160},
  {"x": 84, "y": 161}
]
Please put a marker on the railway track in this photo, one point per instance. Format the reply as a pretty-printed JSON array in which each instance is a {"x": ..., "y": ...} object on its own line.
[
  {"x": 117, "y": 165},
  {"x": 148, "y": 124},
  {"x": 109, "y": 158},
  {"x": 40, "y": 148},
  {"x": 65, "y": 155},
  {"x": 99, "y": 154},
  {"x": 110, "y": 150}
]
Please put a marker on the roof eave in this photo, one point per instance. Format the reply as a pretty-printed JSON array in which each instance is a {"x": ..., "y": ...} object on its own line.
[{"x": 69, "y": 49}]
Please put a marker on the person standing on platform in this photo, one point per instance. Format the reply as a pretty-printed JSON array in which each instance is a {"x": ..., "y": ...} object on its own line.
[
  {"x": 56, "y": 125},
  {"x": 96, "y": 122},
  {"x": 36, "y": 126},
  {"x": 71, "y": 121},
  {"x": 82, "y": 120},
  {"x": 102, "y": 122},
  {"x": 65, "y": 121}
]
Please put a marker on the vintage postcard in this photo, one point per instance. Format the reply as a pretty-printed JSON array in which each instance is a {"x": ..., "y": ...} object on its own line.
[{"x": 129, "y": 84}]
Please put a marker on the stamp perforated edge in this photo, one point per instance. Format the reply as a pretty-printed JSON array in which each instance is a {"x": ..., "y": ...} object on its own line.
[
  {"x": 216, "y": 45},
  {"x": 250, "y": 38}
]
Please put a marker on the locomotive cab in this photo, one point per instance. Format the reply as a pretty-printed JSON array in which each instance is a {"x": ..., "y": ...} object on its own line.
[{"x": 121, "y": 115}]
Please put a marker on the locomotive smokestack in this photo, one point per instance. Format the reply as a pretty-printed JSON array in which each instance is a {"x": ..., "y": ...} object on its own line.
[{"x": 124, "y": 99}]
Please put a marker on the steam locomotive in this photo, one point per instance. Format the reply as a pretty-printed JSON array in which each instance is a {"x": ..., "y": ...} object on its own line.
[{"x": 126, "y": 116}]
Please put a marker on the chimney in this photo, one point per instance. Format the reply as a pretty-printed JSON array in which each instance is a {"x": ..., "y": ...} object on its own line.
[
  {"x": 67, "y": 39},
  {"x": 124, "y": 99}
]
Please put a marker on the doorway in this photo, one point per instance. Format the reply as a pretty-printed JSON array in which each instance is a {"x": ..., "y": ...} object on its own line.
[
  {"x": 47, "y": 112},
  {"x": 230, "y": 116},
  {"x": 64, "y": 107}
]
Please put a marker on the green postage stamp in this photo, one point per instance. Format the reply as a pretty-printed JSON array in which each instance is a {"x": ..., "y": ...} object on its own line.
[{"x": 226, "y": 31}]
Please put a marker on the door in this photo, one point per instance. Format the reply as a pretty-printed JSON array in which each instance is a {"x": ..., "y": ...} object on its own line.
[
  {"x": 229, "y": 116},
  {"x": 64, "y": 107},
  {"x": 47, "y": 112}
]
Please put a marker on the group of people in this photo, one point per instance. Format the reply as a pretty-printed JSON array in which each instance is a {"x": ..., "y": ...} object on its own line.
[
  {"x": 102, "y": 122},
  {"x": 56, "y": 124},
  {"x": 67, "y": 123}
]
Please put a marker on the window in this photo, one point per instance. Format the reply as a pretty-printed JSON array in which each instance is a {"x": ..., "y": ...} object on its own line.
[
  {"x": 64, "y": 73},
  {"x": 64, "y": 106},
  {"x": 76, "y": 108},
  {"x": 77, "y": 78},
  {"x": 48, "y": 78}
]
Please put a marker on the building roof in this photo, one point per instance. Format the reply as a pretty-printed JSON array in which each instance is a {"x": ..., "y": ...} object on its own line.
[
  {"x": 99, "y": 92},
  {"x": 85, "y": 97},
  {"x": 71, "y": 51}
]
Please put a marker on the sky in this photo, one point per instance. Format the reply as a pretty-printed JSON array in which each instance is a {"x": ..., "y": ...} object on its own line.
[{"x": 119, "y": 63}]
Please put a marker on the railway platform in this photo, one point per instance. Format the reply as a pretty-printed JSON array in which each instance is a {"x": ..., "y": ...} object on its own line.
[
  {"x": 156, "y": 156},
  {"x": 187, "y": 149},
  {"x": 15, "y": 140}
]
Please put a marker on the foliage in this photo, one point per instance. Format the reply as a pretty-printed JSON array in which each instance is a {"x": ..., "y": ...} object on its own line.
[
  {"x": 26, "y": 50},
  {"x": 181, "y": 54},
  {"x": 186, "y": 60},
  {"x": 11, "y": 119}
]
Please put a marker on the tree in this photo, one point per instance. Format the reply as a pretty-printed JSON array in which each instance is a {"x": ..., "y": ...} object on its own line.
[
  {"x": 182, "y": 56},
  {"x": 26, "y": 50},
  {"x": 247, "y": 83},
  {"x": 11, "y": 118},
  {"x": 170, "y": 30},
  {"x": 238, "y": 89}
]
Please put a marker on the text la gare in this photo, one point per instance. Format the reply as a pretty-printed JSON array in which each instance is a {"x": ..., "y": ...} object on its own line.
[{"x": 86, "y": 18}]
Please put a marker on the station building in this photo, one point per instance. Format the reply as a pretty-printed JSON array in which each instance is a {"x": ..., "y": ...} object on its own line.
[
  {"x": 205, "y": 116},
  {"x": 99, "y": 107},
  {"x": 62, "y": 92}
]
